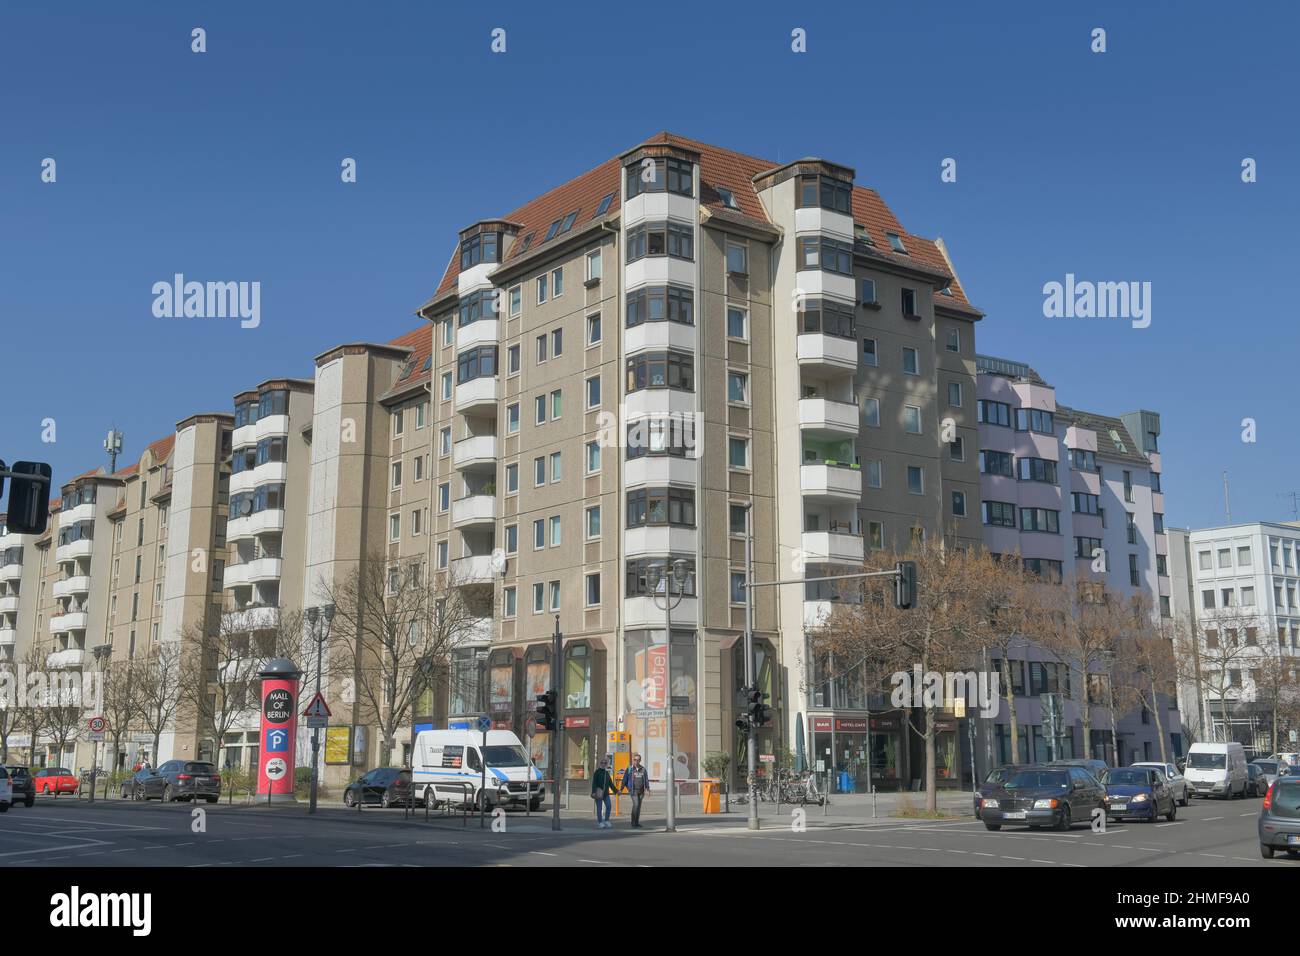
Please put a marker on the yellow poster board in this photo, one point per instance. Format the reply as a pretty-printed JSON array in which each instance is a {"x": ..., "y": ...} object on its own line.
[{"x": 338, "y": 745}]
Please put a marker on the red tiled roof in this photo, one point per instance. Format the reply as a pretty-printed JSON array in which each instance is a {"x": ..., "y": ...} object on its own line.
[
  {"x": 718, "y": 167},
  {"x": 421, "y": 342}
]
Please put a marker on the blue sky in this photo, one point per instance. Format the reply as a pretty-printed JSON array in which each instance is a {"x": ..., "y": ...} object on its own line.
[{"x": 225, "y": 166}]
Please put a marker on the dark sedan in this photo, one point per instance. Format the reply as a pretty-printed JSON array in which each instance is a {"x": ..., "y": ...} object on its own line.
[
  {"x": 385, "y": 786},
  {"x": 1094, "y": 767},
  {"x": 175, "y": 780},
  {"x": 995, "y": 779},
  {"x": 1139, "y": 793},
  {"x": 1279, "y": 818},
  {"x": 24, "y": 786},
  {"x": 1044, "y": 796}
]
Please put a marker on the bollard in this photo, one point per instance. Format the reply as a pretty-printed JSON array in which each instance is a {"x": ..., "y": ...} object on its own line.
[{"x": 873, "y": 802}]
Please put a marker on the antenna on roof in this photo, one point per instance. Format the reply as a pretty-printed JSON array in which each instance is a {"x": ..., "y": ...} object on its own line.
[
  {"x": 1227, "y": 504},
  {"x": 113, "y": 445},
  {"x": 1295, "y": 509}
]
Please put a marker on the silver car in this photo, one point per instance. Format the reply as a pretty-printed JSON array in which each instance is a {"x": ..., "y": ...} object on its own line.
[
  {"x": 1177, "y": 782},
  {"x": 1269, "y": 770}
]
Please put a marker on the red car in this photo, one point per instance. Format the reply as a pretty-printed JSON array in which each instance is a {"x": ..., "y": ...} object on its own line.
[{"x": 55, "y": 780}]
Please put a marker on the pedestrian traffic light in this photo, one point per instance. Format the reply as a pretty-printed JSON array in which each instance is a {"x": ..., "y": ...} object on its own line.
[
  {"x": 29, "y": 496},
  {"x": 905, "y": 585},
  {"x": 546, "y": 711}
]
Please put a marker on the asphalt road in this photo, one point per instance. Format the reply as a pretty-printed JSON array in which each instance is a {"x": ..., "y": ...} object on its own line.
[{"x": 75, "y": 834}]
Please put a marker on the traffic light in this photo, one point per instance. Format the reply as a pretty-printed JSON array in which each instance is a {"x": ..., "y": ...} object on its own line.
[
  {"x": 759, "y": 713},
  {"x": 546, "y": 716},
  {"x": 905, "y": 585},
  {"x": 29, "y": 496}
]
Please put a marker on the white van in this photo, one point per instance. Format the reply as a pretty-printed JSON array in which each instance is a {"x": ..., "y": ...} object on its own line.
[
  {"x": 1217, "y": 770},
  {"x": 447, "y": 766}
]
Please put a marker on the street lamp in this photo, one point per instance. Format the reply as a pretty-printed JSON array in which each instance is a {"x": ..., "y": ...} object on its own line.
[
  {"x": 318, "y": 628},
  {"x": 102, "y": 652},
  {"x": 667, "y": 579}
]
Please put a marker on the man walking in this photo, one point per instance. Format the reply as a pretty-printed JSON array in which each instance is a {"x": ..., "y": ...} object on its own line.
[{"x": 636, "y": 781}]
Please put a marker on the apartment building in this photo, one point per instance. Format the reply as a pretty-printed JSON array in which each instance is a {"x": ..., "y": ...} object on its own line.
[
  {"x": 19, "y": 572},
  {"x": 1077, "y": 496},
  {"x": 1236, "y": 607},
  {"x": 627, "y": 371}
]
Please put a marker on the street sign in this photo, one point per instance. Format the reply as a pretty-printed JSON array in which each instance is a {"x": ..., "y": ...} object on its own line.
[
  {"x": 314, "y": 722},
  {"x": 275, "y": 769},
  {"x": 97, "y": 725},
  {"x": 95, "y": 735},
  {"x": 317, "y": 708},
  {"x": 485, "y": 724},
  {"x": 767, "y": 758}
]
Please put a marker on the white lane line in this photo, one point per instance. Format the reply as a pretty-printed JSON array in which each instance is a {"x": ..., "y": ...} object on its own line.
[
  {"x": 262, "y": 859},
  {"x": 978, "y": 853},
  {"x": 291, "y": 856},
  {"x": 542, "y": 853},
  {"x": 1208, "y": 819},
  {"x": 1246, "y": 814},
  {"x": 1177, "y": 824}
]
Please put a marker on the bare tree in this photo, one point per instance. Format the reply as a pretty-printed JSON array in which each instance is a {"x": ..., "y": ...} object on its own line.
[
  {"x": 941, "y": 633},
  {"x": 1146, "y": 658},
  {"x": 160, "y": 691},
  {"x": 9, "y": 694},
  {"x": 393, "y": 635},
  {"x": 1276, "y": 687},
  {"x": 30, "y": 712},
  {"x": 124, "y": 700},
  {"x": 1211, "y": 652}
]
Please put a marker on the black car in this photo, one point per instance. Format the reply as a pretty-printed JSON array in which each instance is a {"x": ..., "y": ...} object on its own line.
[
  {"x": 1044, "y": 796},
  {"x": 1097, "y": 768},
  {"x": 175, "y": 780},
  {"x": 992, "y": 782},
  {"x": 24, "y": 788},
  {"x": 386, "y": 786}
]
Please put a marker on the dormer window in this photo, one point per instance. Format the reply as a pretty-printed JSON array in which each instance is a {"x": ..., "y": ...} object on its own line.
[
  {"x": 861, "y": 235},
  {"x": 728, "y": 197},
  {"x": 657, "y": 175},
  {"x": 833, "y": 194},
  {"x": 568, "y": 222},
  {"x": 483, "y": 247},
  {"x": 896, "y": 242},
  {"x": 552, "y": 231},
  {"x": 528, "y": 241}
]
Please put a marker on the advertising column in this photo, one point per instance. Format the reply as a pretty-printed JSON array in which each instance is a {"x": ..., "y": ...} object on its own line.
[{"x": 275, "y": 770}]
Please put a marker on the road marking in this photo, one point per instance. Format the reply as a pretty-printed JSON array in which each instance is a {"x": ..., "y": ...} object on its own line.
[
  {"x": 1208, "y": 819},
  {"x": 1251, "y": 814},
  {"x": 262, "y": 859},
  {"x": 542, "y": 853},
  {"x": 1178, "y": 824}
]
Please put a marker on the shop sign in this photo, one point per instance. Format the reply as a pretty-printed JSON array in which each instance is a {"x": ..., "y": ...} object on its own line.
[
  {"x": 885, "y": 723},
  {"x": 821, "y": 723},
  {"x": 577, "y": 722},
  {"x": 855, "y": 725}
]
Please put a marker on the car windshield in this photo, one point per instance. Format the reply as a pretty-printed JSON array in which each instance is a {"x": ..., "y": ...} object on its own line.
[
  {"x": 1266, "y": 766},
  {"x": 1204, "y": 761},
  {"x": 59, "y": 772},
  {"x": 504, "y": 755},
  {"x": 1127, "y": 778},
  {"x": 1038, "y": 780}
]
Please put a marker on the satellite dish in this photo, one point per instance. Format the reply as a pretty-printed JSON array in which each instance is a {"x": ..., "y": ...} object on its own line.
[{"x": 246, "y": 507}]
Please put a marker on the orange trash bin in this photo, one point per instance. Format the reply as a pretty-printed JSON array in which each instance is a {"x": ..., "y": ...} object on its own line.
[{"x": 710, "y": 791}]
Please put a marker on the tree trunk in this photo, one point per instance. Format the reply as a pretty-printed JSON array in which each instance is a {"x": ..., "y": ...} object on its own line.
[
  {"x": 1009, "y": 693},
  {"x": 931, "y": 795},
  {"x": 1085, "y": 718},
  {"x": 1160, "y": 726}
]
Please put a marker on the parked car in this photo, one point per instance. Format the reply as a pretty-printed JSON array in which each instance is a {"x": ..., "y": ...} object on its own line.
[
  {"x": 175, "y": 780},
  {"x": 55, "y": 780},
  {"x": 1257, "y": 781},
  {"x": 1094, "y": 767},
  {"x": 386, "y": 786},
  {"x": 1173, "y": 776},
  {"x": 1271, "y": 770},
  {"x": 1217, "y": 769},
  {"x": 1140, "y": 793},
  {"x": 6, "y": 791},
  {"x": 1289, "y": 758},
  {"x": 1044, "y": 795},
  {"x": 24, "y": 789},
  {"x": 1279, "y": 818},
  {"x": 995, "y": 778}
]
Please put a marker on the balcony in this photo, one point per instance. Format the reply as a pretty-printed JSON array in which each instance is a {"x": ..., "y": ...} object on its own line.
[
  {"x": 474, "y": 510},
  {"x": 63, "y": 660},
  {"x": 82, "y": 512},
  {"x": 661, "y": 470},
  {"x": 642, "y": 612},
  {"x": 11, "y": 572},
  {"x": 477, "y": 631},
  {"x": 77, "y": 584},
  {"x": 71, "y": 621},
  {"x": 9, "y": 604},
  {"x": 837, "y": 547},
  {"x": 268, "y": 521},
  {"x": 73, "y": 550},
  {"x": 478, "y": 452},
  {"x": 662, "y": 401},
  {"x": 8, "y": 636},
  {"x": 251, "y": 572},
  {"x": 831, "y": 481},
  {"x": 825, "y": 416},
  {"x": 659, "y": 336},
  {"x": 271, "y": 426},
  {"x": 252, "y": 619},
  {"x": 473, "y": 569},
  {"x": 482, "y": 332},
  {"x": 828, "y": 353},
  {"x": 660, "y": 539},
  {"x": 478, "y": 394}
]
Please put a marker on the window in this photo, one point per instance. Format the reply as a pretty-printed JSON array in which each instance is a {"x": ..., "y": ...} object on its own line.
[
  {"x": 661, "y": 370},
  {"x": 660, "y": 436},
  {"x": 604, "y": 205},
  {"x": 822, "y": 191},
  {"x": 954, "y": 394},
  {"x": 1034, "y": 420},
  {"x": 1081, "y": 459},
  {"x": 541, "y": 282},
  {"x": 916, "y": 479},
  {"x": 1044, "y": 568},
  {"x": 1040, "y": 519},
  {"x": 1247, "y": 597},
  {"x": 539, "y": 597},
  {"x": 1085, "y": 504},
  {"x": 593, "y": 329},
  {"x": 444, "y": 497},
  {"x": 475, "y": 363},
  {"x": 516, "y": 299},
  {"x": 555, "y": 595},
  {"x": 476, "y": 306},
  {"x": 911, "y": 363},
  {"x": 871, "y": 412},
  {"x": 593, "y": 589},
  {"x": 727, "y": 196},
  {"x": 1133, "y": 578},
  {"x": 394, "y": 527},
  {"x": 1131, "y": 527},
  {"x": 446, "y": 332},
  {"x": 483, "y": 247},
  {"x": 397, "y": 423},
  {"x": 512, "y": 418},
  {"x": 957, "y": 449},
  {"x": 542, "y": 343},
  {"x": 556, "y": 532},
  {"x": 557, "y": 404},
  {"x": 999, "y": 513},
  {"x": 953, "y": 343},
  {"x": 557, "y": 283},
  {"x": 593, "y": 521},
  {"x": 959, "y": 504},
  {"x": 738, "y": 452},
  {"x": 868, "y": 292},
  {"x": 509, "y": 602},
  {"x": 661, "y": 303},
  {"x": 593, "y": 266},
  {"x": 869, "y": 352},
  {"x": 1225, "y": 557},
  {"x": 539, "y": 534},
  {"x": 912, "y": 419},
  {"x": 737, "y": 322},
  {"x": 829, "y": 255},
  {"x": 1158, "y": 523},
  {"x": 876, "y": 535},
  {"x": 737, "y": 519},
  {"x": 896, "y": 242},
  {"x": 737, "y": 387},
  {"x": 539, "y": 470},
  {"x": 415, "y": 522},
  {"x": 659, "y": 506},
  {"x": 1243, "y": 554},
  {"x": 656, "y": 175},
  {"x": 1128, "y": 486},
  {"x": 997, "y": 463},
  {"x": 1155, "y": 482},
  {"x": 1206, "y": 560},
  {"x": 593, "y": 457},
  {"x": 512, "y": 360},
  {"x": 737, "y": 258},
  {"x": 512, "y": 478},
  {"x": 539, "y": 405},
  {"x": 512, "y": 539},
  {"x": 643, "y": 576},
  {"x": 397, "y": 475},
  {"x": 993, "y": 413},
  {"x": 738, "y": 587},
  {"x": 593, "y": 391},
  {"x": 874, "y": 470},
  {"x": 556, "y": 466},
  {"x": 557, "y": 343},
  {"x": 446, "y": 386},
  {"x": 1036, "y": 469},
  {"x": 828, "y": 318},
  {"x": 1207, "y": 599}
]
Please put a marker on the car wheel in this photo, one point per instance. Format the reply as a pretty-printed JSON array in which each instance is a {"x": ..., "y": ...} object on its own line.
[
  {"x": 4, "y": 808},
  {"x": 211, "y": 799},
  {"x": 992, "y": 826},
  {"x": 168, "y": 796},
  {"x": 535, "y": 805},
  {"x": 1064, "y": 822},
  {"x": 1266, "y": 851},
  {"x": 1173, "y": 811},
  {"x": 484, "y": 801},
  {"x": 30, "y": 801},
  {"x": 386, "y": 800},
  {"x": 349, "y": 799},
  {"x": 1187, "y": 799},
  {"x": 430, "y": 799}
]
